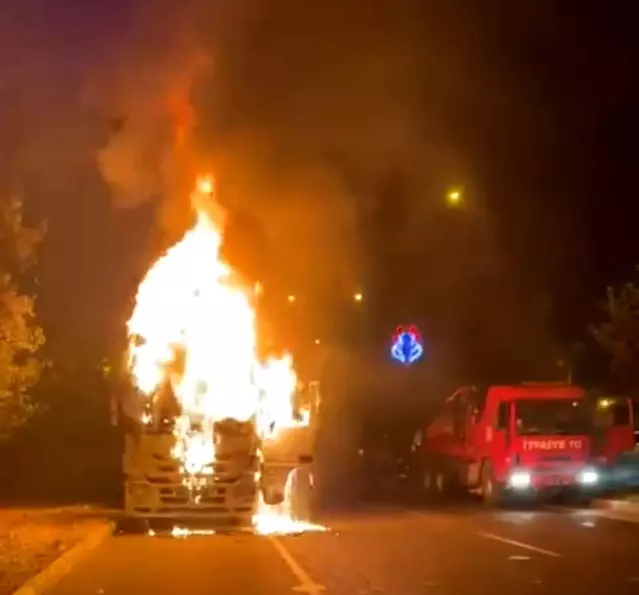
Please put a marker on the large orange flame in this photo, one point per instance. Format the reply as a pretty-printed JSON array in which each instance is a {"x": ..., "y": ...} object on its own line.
[{"x": 193, "y": 326}]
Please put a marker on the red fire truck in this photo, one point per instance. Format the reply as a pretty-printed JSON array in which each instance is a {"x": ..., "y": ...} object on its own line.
[{"x": 525, "y": 440}]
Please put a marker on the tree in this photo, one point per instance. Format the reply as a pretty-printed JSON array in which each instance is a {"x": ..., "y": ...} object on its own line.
[
  {"x": 619, "y": 334},
  {"x": 20, "y": 335}
]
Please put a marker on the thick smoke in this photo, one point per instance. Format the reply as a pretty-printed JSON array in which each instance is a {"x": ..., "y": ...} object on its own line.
[
  {"x": 333, "y": 129},
  {"x": 301, "y": 111}
]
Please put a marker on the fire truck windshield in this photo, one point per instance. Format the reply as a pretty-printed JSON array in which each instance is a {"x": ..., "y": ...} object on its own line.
[{"x": 551, "y": 417}]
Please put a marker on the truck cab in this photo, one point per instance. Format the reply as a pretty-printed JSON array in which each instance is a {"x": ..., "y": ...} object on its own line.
[
  {"x": 238, "y": 466},
  {"x": 616, "y": 438},
  {"x": 529, "y": 440}
]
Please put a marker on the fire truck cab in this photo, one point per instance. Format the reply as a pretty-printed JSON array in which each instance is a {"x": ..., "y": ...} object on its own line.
[{"x": 524, "y": 440}]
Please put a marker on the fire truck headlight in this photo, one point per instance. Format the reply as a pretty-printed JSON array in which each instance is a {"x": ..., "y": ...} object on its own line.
[
  {"x": 519, "y": 480},
  {"x": 588, "y": 477}
]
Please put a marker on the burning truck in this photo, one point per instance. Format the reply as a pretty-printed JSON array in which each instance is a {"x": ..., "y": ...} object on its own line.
[{"x": 212, "y": 431}]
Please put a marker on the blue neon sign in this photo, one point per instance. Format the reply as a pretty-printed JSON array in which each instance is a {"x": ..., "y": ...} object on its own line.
[{"x": 406, "y": 346}]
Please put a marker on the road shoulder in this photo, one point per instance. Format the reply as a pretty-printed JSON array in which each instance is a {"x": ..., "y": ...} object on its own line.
[
  {"x": 622, "y": 508},
  {"x": 40, "y": 545}
]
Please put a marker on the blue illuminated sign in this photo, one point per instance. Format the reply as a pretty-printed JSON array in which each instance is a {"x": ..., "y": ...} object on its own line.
[{"x": 406, "y": 347}]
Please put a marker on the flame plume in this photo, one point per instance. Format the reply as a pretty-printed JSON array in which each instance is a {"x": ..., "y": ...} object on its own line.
[{"x": 192, "y": 336}]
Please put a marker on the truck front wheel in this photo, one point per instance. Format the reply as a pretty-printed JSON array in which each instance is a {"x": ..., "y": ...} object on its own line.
[
  {"x": 580, "y": 499},
  {"x": 492, "y": 491},
  {"x": 436, "y": 482},
  {"x": 272, "y": 497},
  {"x": 429, "y": 483}
]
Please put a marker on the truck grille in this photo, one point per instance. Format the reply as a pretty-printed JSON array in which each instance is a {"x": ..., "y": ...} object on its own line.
[
  {"x": 556, "y": 459},
  {"x": 181, "y": 495}
]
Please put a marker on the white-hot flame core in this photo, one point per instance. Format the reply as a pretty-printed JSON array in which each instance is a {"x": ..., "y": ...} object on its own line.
[
  {"x": 282, "y": 518},
  {"x": 188, "y": 303},
  {"x": 194, "y": 325}
]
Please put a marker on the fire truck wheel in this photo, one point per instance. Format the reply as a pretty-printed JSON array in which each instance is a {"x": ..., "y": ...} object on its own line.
[
  {"x": 580, "y": 500},
  {"x": 436, "y": 482},
  {"x": 272, "y": 497},
  {"x": 427, "y": 482},
  {"x": 430, "y": 483},
  {"x": 492, "y": 492},
  {"x": 441, "y": 482}
]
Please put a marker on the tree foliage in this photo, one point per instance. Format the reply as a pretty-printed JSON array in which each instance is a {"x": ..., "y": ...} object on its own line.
[
  {"x": 20, "y": 335},
  {"x": 619, "y": 334}
]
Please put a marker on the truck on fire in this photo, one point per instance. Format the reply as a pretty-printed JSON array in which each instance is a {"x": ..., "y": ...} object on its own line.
[
  {"x": 528, "y": 441},
  {"x": 215, "y": 422},
  {"x": 231, "y": 474}
]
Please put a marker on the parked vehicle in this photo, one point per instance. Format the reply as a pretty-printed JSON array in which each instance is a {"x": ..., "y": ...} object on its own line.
[
  {"x": 529, "y": 440},
  {"x": 616, "y": 439}
]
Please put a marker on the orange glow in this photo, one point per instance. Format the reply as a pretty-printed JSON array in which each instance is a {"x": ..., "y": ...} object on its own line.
[{"x": 205, "y": 185}]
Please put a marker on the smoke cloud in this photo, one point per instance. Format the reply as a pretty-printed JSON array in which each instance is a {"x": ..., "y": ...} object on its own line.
[
  {"x": 301, "y": 112},
  {"x": 333, "y": 129}
]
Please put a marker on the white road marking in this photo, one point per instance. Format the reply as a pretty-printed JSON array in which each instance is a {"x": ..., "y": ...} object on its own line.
[
  {"x": 307, "y": 584},
  {"x": 525, "y": 546},
  {"x": 616, "y": 515},
  {"x": 606, "y": 513}
]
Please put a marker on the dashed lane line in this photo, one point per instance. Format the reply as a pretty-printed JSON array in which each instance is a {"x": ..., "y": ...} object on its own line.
[
  {"x": 606, "y": 513},
  {"x": 520, "y": 544},
  {"x": 307, "y": 584}
]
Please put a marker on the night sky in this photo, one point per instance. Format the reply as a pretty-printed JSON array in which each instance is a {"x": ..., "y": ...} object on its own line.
[{"x": 334, "y": 131}]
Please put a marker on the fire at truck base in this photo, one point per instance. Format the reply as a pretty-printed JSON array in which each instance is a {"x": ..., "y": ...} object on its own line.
[{"x": 264, "y": 484}]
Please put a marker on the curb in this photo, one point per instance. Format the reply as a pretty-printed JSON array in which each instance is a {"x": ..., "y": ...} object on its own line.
[
  {"x": 61, "y": 566},
  {"x": 610, "y": 504}
]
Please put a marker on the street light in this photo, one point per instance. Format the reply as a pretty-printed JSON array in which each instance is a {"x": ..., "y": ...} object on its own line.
[
  {"x": 291, "y": 299},
  {"x": 317, "y": 341},
  {"x": 358, "y": 297},
  {"x": 454, "y": 197}
]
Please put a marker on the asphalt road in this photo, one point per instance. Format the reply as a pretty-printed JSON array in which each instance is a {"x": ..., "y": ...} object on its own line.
[{"x": 384, "y": 550}]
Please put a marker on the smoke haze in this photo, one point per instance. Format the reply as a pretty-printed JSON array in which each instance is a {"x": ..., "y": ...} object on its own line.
[{"x": 333, "y": 129}]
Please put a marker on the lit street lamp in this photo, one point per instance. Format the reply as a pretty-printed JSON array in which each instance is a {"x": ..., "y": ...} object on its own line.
[
  {"x": 291, "y": 299},
  {"x": 454, "y": 197},
  {"x": 358, "y": 297}
]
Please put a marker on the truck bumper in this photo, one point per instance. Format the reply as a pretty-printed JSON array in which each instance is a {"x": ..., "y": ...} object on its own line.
[
  {"x": 585, "y": 481},
  {"x": 147, "y": 500}
]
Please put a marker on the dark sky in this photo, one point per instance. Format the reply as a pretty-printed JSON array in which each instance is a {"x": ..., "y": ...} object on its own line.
[{"x": 334, "y": 130}]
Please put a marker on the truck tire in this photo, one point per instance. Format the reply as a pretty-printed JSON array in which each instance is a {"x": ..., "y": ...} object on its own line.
[
  {"x": 580, "y": 500},
  {"x": 272, "y": 497},
  {"x": 492, "y": 492},
  {"x": 301, "y": 495},
  {"x": 442, "y": 483},
  {"x": 435, "y": 481},
  {"x": 428, "y": 484}
]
